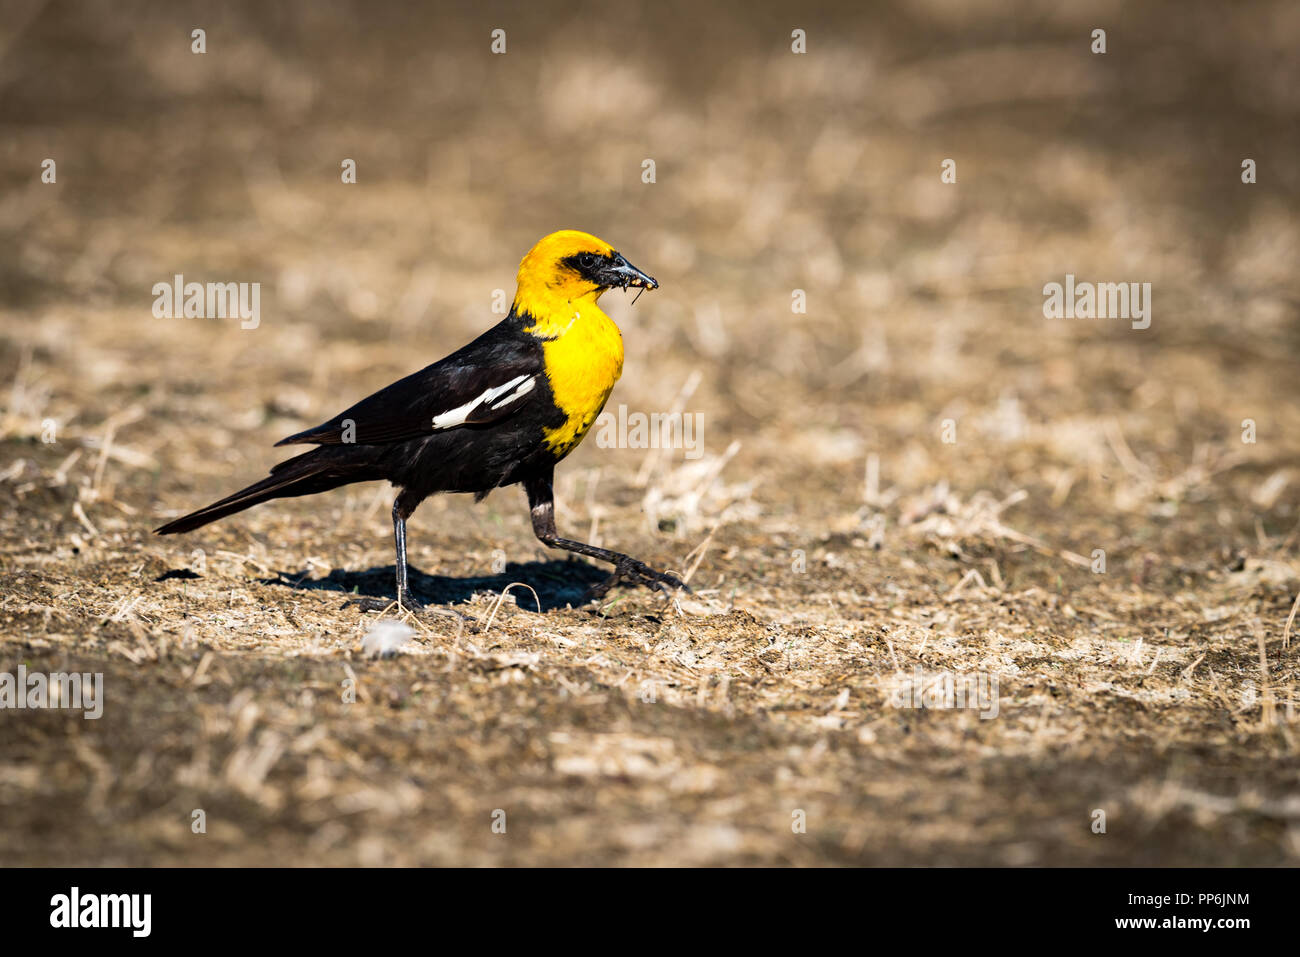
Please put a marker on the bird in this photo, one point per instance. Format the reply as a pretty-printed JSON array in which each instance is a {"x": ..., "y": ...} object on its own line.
[{"x": 503, "y": 410}]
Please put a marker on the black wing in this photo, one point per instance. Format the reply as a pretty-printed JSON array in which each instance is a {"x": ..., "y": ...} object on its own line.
[{"x": 481, "y": 383}]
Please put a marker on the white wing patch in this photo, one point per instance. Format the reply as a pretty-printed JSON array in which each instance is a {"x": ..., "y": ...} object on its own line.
[
  {"x": 518, "y": 392},
  {"x": 495, "y": 398}
]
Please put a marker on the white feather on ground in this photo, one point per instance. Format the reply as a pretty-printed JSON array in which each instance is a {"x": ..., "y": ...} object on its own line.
[{"x": 386, "y": 638}]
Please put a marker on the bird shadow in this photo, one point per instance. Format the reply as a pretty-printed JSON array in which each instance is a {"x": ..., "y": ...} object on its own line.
[{"x": 558, "y": 583}]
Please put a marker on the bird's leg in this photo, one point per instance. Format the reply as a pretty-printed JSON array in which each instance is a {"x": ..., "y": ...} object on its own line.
[
  {"x": 541, "y": 502},
  {"x": 399, "y": 538},
  {"x": 401, "y": 512}
]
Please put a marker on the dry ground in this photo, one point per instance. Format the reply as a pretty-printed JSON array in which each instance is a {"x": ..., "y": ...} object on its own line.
[{"x": 838, "y": 542}]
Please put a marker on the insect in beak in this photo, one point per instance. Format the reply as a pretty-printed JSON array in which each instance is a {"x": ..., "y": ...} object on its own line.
[{"x": 620, "y": 272}]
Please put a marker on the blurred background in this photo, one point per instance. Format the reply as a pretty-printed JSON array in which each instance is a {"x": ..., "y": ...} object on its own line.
[{"x": 774, "y": 172}]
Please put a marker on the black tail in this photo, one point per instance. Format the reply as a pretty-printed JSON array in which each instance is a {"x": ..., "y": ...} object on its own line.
[{"x": 316, "y": 471}]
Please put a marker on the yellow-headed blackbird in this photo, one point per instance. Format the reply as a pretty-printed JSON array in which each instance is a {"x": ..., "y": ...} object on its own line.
[{"x": 503, "y": 409}]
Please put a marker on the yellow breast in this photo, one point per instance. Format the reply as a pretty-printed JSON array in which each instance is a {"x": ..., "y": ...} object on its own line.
[{"x": 584, "y": 358}]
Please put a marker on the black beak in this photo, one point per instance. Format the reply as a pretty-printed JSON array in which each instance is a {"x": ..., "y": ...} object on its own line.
[{"x": 617, "y": 271}]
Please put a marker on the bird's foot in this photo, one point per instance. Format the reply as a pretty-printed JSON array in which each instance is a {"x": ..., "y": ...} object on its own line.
[
  {"x": 409, "y": 605},
  {"x": 629, "y": 571},
  {"x": 405, "y": 603}
]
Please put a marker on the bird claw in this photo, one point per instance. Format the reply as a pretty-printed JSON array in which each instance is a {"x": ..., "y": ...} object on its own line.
[{"x": 629, "y": 571}]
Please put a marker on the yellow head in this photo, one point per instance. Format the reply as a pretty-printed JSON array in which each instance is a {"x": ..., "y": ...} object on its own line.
[{"x": 571, "y": 266}]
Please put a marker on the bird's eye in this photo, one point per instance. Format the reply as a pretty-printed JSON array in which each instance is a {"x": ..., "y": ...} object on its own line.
[{"x": 587, "y": 260}]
